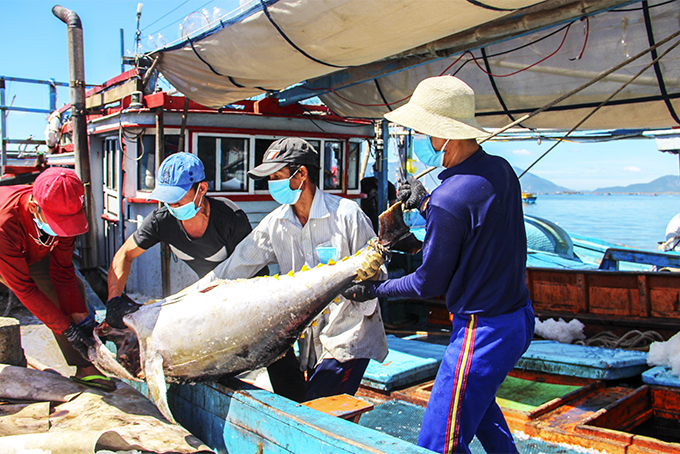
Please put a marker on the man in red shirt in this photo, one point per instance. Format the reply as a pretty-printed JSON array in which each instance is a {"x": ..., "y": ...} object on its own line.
[{"x": 38, "y": 229}]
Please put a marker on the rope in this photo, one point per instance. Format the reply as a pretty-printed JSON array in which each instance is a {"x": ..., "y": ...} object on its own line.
[
  {"x": 573, "y": 92},
  {"x": 584, "y": 86},
  {"x": 375, "y": 244},
  {"x": 592, "y": 112},
  {"x": 631, "y": 340},
  {"x": 657, "y": 68},
  {"x": 265, "y": 10},
  {"x": 492, "y": 81}
]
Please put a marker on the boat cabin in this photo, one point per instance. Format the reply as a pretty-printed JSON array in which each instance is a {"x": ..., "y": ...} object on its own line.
[{"x": 125, "y": 149}]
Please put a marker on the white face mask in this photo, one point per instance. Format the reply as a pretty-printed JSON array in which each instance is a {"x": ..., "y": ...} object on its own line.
[
  {"x": 42, "y": 225},
  {"x": 281, "y": 192},
  {"x": 187, "y": 211},
  {"x": 429, "y": 156}
]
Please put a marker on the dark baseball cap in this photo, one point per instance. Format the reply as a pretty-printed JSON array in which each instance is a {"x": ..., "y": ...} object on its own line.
[{"x": 290, "y": 150}]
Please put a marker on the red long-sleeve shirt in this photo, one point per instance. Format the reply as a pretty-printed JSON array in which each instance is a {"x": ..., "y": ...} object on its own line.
[{"x": 19, "y": 249}]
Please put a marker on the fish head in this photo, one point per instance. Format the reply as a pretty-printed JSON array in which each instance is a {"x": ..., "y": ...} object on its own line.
[
  {"x": 394, "y": 234},
  {"x": 126, "y": 362}
]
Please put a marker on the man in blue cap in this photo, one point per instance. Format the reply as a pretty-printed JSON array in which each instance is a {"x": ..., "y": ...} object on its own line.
[{"x": 202, "y": 231}]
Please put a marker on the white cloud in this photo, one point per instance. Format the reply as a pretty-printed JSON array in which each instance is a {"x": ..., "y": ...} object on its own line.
[
  {"x": 631, "y": 169},
  {"x": 522, "y": 152}
]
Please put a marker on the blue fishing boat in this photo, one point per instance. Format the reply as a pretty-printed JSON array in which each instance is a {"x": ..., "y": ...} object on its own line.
[{"x": 528, "y": 197}]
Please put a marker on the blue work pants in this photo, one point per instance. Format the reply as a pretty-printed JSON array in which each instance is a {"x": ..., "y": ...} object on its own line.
[{"x": 481, "y": 353}]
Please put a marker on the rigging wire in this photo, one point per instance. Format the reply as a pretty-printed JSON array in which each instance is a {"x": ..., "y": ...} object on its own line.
[
  {"x": 530, "y": 66},
  {"x": 324, "y": 131},
  {"x": 128, "y": 136},
  {"x": 641, "y": 8},
  {"x": 576, "y": 90},
  {"x": 169, "y": 25},
  {"x": 531, "y": 43},
  {"x": 592, "y": 112},
  {"x": 474, "y": 59},
  {"x": 166, "y": 14}
]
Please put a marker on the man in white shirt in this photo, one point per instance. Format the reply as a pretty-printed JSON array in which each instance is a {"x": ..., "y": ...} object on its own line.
[{"x": 311, "y": 227}]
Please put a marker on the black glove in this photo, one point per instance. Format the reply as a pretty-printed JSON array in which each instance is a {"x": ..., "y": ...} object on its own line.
[
  {"x": 360, "y": 292},
  {"x": 80, "y": 339},
  {"x": 87, "y": 325},
  {"x": 411, "y": 193},
  {"x": 117, "y": 308}
]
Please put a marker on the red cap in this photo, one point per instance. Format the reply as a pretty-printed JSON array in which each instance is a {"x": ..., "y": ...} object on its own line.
[{"x": 60, "y": 193}]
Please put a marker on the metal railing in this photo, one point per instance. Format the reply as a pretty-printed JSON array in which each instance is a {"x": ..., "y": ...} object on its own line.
[{"x": 5, "y": 110}]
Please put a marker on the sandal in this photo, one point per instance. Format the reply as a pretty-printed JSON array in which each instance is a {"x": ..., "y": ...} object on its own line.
[{"x": 102, "y": 382}]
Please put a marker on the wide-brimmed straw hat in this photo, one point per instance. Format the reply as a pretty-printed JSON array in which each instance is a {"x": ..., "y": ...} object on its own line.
[{"x": 441, "y": 107}]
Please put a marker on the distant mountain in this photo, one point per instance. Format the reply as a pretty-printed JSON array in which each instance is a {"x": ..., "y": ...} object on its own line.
[
  {"x": 533, "y": 183},
  {"x": 669, "y": 183}
]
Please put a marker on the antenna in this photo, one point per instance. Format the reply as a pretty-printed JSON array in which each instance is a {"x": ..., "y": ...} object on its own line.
[{"x": 138, "y": 33}]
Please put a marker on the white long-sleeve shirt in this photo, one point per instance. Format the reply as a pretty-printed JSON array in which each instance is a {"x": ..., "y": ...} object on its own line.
[{"x": 345, "y": 329}]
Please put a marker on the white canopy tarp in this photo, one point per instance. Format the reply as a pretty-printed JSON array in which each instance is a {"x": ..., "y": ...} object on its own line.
[
  {"x": 589, "y": 48},
  {"x": 278, "y": 43}
]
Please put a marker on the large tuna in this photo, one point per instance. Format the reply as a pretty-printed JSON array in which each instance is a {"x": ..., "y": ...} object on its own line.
[{"x": 231, "y": 326}]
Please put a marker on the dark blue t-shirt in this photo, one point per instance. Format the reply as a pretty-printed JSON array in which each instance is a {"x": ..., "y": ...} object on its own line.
[{"x": 475, "y": 244}]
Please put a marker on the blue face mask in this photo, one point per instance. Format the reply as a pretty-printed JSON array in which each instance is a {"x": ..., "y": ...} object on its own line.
[
  {"x": 44, "y": 226},
  {"x": 281, "y": 192},
  {"x": 185, "y": 212},
  {"x": 429, "y": 156}
]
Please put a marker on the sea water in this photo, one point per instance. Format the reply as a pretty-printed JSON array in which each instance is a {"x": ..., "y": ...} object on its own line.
[{"x": 633, "y": 220}]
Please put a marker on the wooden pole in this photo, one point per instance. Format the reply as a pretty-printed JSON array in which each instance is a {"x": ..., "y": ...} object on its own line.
[{"x": 160, "y": 156}]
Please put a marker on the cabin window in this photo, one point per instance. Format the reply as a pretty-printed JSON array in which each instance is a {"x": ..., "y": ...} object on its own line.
[
  {"x": 146, "y": 155},
  {"x": 261, "y": 146},
  {"x": 353, "y": 154},
  {"x": 233, "y": 164},
  {"x": 225, "y": 160},
  {"x": 146, "y": 167},
  {"x": 332, "y": 165},
  {"x": 110, "y": 164},
  {"x": 111, "y": 167}
]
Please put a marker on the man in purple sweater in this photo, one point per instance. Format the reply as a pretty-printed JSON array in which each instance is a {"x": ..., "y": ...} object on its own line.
[{"x": 474, "y": 253}]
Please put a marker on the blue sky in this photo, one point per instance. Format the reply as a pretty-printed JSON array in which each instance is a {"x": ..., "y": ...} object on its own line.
[
  {"x": 588, "y": 166},
  {"x": 34, "y": 46}
]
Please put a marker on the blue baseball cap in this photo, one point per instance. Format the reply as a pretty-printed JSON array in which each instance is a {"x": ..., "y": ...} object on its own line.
[{"x": 175, "y": 177}]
